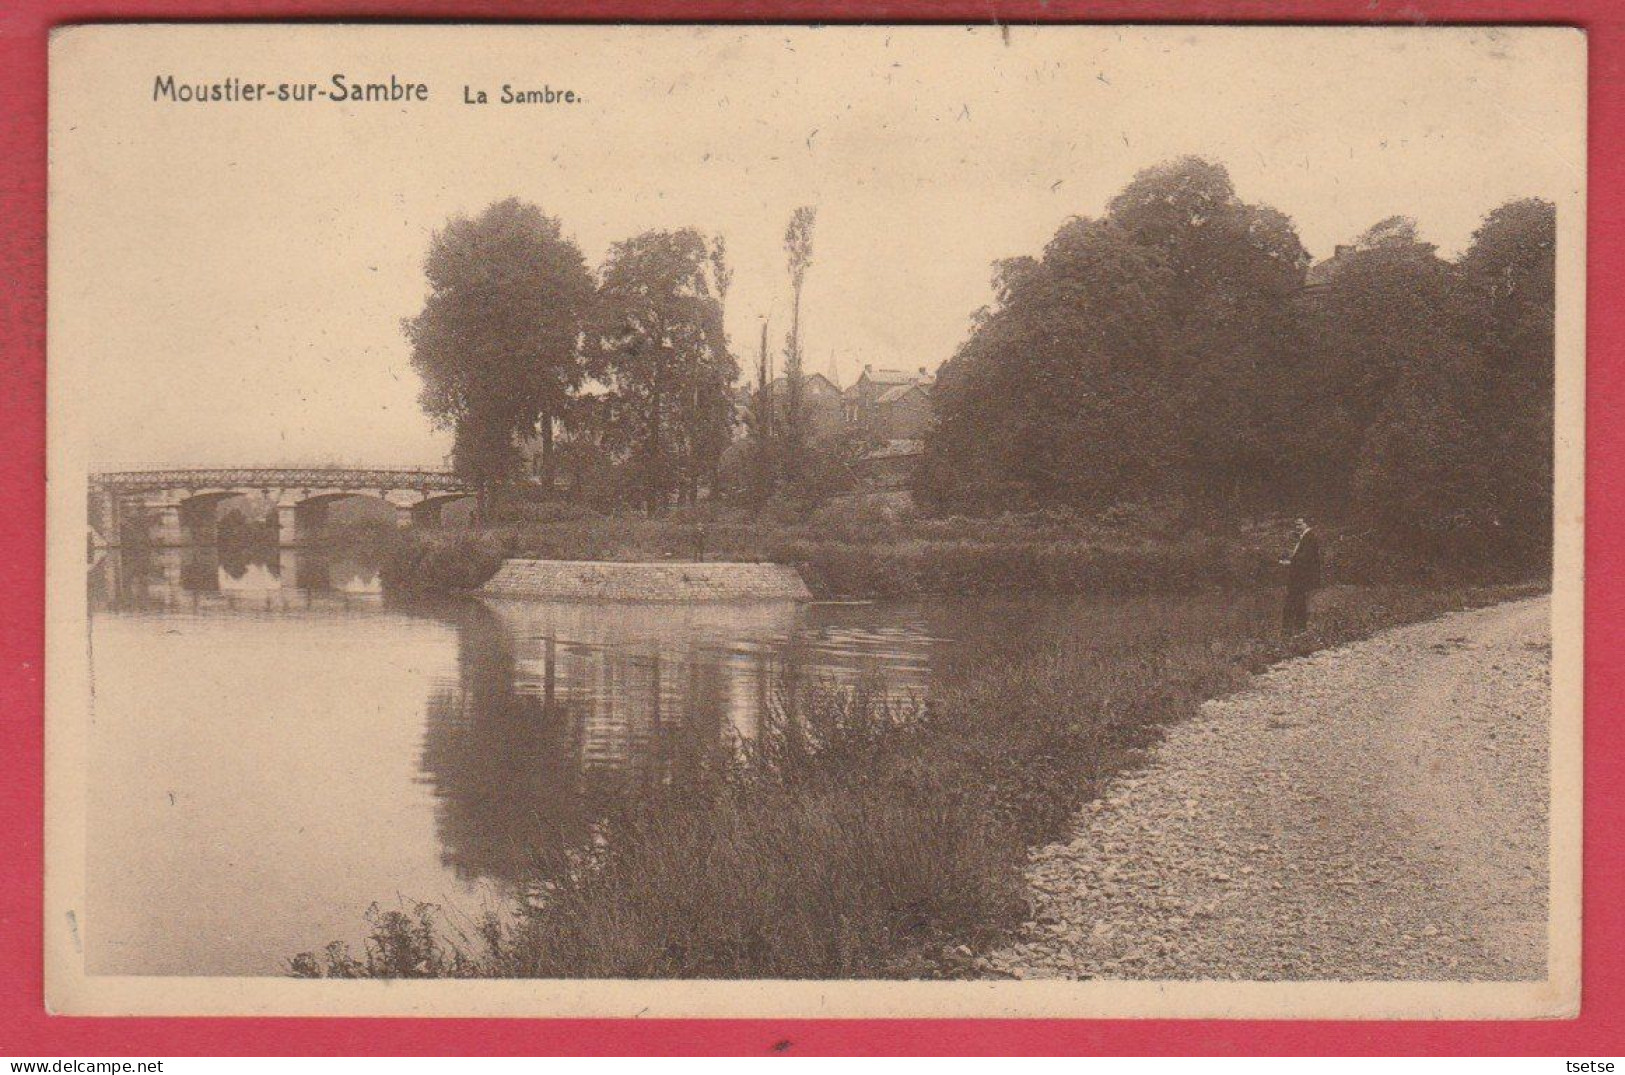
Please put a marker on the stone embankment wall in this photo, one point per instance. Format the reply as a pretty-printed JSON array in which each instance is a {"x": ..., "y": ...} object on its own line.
[{"x": 582, "y": 580}]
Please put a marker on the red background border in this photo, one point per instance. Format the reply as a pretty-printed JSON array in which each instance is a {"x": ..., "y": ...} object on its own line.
[{"x": 25, "y": 1029}]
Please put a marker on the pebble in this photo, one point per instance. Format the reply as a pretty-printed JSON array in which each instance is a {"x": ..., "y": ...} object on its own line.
[{"x": 1396, "y": 831}]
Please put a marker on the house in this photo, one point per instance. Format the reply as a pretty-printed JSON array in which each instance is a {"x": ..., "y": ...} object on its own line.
[
  {"x": 820, "y": 402},
  {"x": 889, "y": 404},
  {"x": 743, "y": 398},
  {"x": 890, "y": 465},
  {"x": 1322, "y": 272},
  {"x": 1317, "y": 281},
  {"x": 902, "y": 412}
]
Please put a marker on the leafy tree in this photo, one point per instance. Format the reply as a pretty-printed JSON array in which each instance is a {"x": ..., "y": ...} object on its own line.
[
  {"x": 659, "y": 335},
  {"x": 1447, "y": 367},
  {"x": 1509, "y": 275},
  {"x": 588, "y": 459},
  {"x": 1171, "y": 348},
  {"x": 1421, "y": 474},
  {"x": 1511, "y": 280},
  {"x": 1233, "y": 268},
  {"x": 1385, "y": 317},
  {"x": 1054, "y": 394},
  {"x": 1141, "y": 356},
  {"x": 1144, "y": 355},
  {"x": 497, "y": 340},
  {"x": 798, "y": 251}
]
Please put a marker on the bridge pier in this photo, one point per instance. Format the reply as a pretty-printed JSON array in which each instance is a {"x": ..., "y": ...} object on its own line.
[
  {"x": 169, "y": 531},
  {"x": 104, "y": 519},
  {"x": 403, "y": 517},
  {"x": 287, "y": 525}
]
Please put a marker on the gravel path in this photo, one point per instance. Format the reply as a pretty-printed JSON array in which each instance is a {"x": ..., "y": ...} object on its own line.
[{"x": 1376, "y": 811}]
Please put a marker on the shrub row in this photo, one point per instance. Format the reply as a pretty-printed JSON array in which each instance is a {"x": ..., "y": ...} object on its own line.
[{"x": 917, "y": 568}]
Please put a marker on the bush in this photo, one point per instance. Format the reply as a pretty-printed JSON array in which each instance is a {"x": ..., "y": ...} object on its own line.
[
  {"x": 369, "y": 534},
  {"x": 405, "y": 944},
  {"x": 545, "y": 512},
  {"x": 436, "y": 563},
  {"x": 964, "y": 567},
  {"x": 853, "y": 520}
]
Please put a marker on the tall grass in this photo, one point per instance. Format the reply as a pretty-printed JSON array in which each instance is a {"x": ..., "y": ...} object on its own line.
[
  {"x": 866, "y": 838},
  {"x": 857, "y": 552},
  {"x": 966, "y": 567}
]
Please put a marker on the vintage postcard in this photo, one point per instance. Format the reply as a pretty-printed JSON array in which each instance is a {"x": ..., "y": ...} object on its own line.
[{"x": 815, "y": 521}]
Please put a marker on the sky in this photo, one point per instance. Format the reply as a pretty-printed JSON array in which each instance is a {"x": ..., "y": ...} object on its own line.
[{"x": 228, "y": 280}]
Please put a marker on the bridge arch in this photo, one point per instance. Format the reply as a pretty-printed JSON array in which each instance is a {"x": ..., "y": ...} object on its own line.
[
  {"x": 175, "y": 506},
  {"x": 429, "y": 513},
  {"x": 308, "y": 510},
  {"x": 197, "y": 512}
]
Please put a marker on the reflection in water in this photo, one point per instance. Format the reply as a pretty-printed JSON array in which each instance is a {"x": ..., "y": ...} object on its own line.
[
  {"x": 563, "y": 714},
  {"x": 501, "y": 761},
  {"x": 275, "y": 746},
  {"x": 204, "y": 576}
]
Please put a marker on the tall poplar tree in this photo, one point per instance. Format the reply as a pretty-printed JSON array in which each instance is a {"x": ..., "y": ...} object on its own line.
[{"x": 798, "y": 249}]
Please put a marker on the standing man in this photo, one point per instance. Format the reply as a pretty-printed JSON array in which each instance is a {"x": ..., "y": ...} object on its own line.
[{"x": 1302, "y": 578}]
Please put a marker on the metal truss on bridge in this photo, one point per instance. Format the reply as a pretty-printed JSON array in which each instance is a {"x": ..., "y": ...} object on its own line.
[{"x": 439, "y": 481}]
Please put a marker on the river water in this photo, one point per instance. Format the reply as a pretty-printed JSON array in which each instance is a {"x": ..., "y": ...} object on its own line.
[{"x": 275, "y": 747}]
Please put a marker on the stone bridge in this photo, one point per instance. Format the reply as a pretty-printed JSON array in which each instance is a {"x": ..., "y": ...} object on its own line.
[{"x": 179, "y": 507}]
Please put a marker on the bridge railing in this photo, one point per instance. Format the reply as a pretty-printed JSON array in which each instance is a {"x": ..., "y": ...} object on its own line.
[{"x": 281, "y": 478}]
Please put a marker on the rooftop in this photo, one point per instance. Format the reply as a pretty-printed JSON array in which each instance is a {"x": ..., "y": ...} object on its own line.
[
  {"x": 896, "y": 449},
  {"x": 890, "y": 376},
  {"x": 897, "y": 392}
]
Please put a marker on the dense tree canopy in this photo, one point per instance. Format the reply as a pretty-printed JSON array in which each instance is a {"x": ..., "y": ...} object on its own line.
[
  {"x": 497, "y": 341},
  {"x": 658, "y": 331},
  {"x": 1510, "y": 275},
  {"x": 1178, "y": 350}
]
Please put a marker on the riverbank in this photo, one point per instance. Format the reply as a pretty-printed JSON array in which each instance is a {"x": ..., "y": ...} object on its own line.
[
  {"x": 660, "y": 583},
  {"x": 861, "y": 553},
  {"x": 867, "y": 838},
  {"x": 1376, "y": 811},
  {"x": 857, "y": 550}
]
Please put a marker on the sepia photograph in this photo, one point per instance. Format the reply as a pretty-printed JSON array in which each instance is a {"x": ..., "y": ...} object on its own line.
[{"x": 815, "y": 521}]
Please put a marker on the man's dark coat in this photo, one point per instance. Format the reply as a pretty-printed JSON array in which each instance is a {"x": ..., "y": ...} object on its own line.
[{"x": 1304, "y": 573}]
